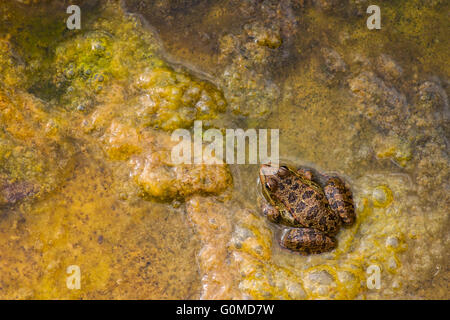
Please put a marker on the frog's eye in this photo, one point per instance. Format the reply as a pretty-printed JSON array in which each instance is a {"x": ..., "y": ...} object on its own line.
[
  {"x": 283, "y": 171},
  {"x": 271, "y": 184}
]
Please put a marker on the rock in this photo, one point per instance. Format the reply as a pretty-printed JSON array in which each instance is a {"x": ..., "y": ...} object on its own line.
[
  {"x": 172, "y": 100},
  {"x": 11, "y": 193},
  {"x": 219, "y": 273},
  {"x": 34, "y": 154},
  {"x": 121, "y": 141},
  {"x": 431, "y": 105},
  {"x": 295, "y": 291},
  {"x": 392, "y": 263},
  {"x": 392, "y": 242},
  {"x": 161, "y": 179},
  {"x": 382, "y": 196},
  {"x": 321, "y": 277},
  {"x": 270, "y": 37},
  {"x": 368, "y": 86},
  {"x": 380, "y": 103},
  {"x": 333, "y": 61},
  {"x": 389, "y": 68}
]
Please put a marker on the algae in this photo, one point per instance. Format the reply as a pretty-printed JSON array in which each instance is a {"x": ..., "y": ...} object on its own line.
[{"x": 85, "y": 121}]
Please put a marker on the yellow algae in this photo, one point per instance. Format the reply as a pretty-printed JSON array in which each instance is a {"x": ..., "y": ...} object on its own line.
[
  {"x": 382, "y": 196},
  {"x": 394, "y": 148},
  {"x": 257, "y": 240},
  {"x": 161, "y": 179},
  {"x": 9, "y": 77},
  {"x": 121, "y": 142},
  {"x": 219, "y": 275},
  {"x": 117, "y": 247},
  {"x": 35, "y": 154}
]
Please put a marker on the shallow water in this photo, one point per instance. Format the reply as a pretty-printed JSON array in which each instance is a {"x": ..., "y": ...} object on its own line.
[{"x": 370, "y": 106}]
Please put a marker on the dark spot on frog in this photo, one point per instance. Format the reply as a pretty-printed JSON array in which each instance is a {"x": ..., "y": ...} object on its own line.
[
  {"x": 349, "y": 205},
  {"x": 288, "y": 181},
  {"x": 337, "y": 204},
  {"x": 307, "y": 194},
  {"x": 100, "y": 239},
  {"x": 331, "y": 192},
  {"x": 295, "y": 186},
  {"x": 334, "y": 217},
  {"x": 292, "y": 197},
  {"x": 301, "y": 206},
  {"x": 312, "y": 212}
]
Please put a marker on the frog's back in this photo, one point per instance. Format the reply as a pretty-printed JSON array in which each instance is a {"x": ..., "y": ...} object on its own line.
[{"x": 308, "y": 205}]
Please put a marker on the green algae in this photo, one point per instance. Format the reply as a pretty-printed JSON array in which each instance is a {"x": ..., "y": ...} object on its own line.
[{"x": 33, "y": 34}]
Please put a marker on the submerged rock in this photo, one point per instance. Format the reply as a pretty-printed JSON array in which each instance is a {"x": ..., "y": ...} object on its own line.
[
  {"x": 35, "y": 155},
  {"x": 11, "y": 193},
  {"x": 379, "y": 102},
  {"x": 160, "y": 178},
  {"x": 389, "y": 68}
]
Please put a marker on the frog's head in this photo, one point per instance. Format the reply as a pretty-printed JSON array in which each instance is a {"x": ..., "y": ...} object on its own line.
[
  {"x": 275, "y": 188},
  {"x": 272, "y": 182}
]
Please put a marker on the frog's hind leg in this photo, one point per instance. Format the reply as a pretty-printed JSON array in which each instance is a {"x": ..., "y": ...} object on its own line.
[
  {"x": 305, "y": 173},
  {"x": 340, "y": 198},
  {"x": 307, "y": 241},
  {"x": 312, "y": 175}
]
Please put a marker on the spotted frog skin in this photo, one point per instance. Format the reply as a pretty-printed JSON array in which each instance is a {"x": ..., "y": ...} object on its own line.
[{"x": 314, "y": 214}]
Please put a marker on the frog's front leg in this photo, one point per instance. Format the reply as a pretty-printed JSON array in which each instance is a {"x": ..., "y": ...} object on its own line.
[
  {"x": 307, "y": 241},
  {"x": 340, "y": 199},
  {"x": 271, "y": 212}
]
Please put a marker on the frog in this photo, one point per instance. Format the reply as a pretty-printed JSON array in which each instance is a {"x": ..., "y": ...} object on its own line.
[{"x": 311, "y": 214}]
